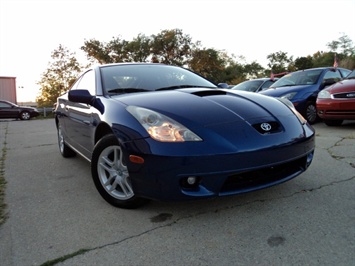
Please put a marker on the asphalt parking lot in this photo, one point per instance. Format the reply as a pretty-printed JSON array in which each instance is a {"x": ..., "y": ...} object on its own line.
[{"x": 56, "y": 216}]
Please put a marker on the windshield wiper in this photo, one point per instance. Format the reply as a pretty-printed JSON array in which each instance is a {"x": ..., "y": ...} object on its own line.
[
  {"x": 126, "y": 90},
  {"x": 287, "y": 85},
  {"x": 182, "y": 87}
]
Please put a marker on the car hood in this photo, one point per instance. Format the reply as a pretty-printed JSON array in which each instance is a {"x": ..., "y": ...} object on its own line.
[
  {"x": 207, "y": 107},
  {"x": 26, "y": 107},
  {"x": 233, "y": 120},
  {"x": 279, "y": 91},
  {"x": 346, "y": 85}
]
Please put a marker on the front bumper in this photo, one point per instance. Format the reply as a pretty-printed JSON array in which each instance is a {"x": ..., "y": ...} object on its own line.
[
  {"x": 336, "y": 109},
  {"x": 165, "y": 178}
]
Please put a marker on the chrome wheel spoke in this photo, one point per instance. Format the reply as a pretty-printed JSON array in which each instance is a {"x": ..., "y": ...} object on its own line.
[
  {"x": 125, "y": 185},
  {"x": 114, "y": 174}
]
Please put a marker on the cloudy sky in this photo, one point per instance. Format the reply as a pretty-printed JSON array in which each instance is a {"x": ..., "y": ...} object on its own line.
[{"x": 31, "y": 29}]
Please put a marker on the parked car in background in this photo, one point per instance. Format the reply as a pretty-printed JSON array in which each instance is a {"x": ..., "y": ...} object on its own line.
[
  {"x": 11, "y": 110},
  {"x": 255, "y": 85},
  {"x": 154, "y": 131},
  {"x": 302, "y": 87},
  {"x": 337, "y": 102}
]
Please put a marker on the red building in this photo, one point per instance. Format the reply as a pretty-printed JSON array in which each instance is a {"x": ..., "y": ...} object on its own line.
[{"x": 8, "y": 89}]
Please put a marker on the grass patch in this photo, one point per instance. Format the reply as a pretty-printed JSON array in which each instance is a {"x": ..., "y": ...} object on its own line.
[
  {"x": 48, "y": 116},
  {"x": 3, "y": 215},
  {"x": 64, "y": 258}
]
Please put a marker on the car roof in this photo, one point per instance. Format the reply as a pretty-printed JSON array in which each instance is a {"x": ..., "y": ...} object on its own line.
[
  {"x": 132, "y": 63},
  {"x": 263, "y": 79},
  {"x": 317, "y": 68},
  {"x": 260, "y": 79}
]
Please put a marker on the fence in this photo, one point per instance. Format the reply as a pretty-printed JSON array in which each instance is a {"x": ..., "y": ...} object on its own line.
[{"x": 45, "y": 111}]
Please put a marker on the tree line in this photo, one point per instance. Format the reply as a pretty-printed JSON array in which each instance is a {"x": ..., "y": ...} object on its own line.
[{"x": 173, "y": 47}]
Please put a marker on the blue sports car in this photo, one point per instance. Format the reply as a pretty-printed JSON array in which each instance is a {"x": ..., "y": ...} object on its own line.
[
  {"x": 154, "y": 131},
  {"x": 302, "y": 87}
]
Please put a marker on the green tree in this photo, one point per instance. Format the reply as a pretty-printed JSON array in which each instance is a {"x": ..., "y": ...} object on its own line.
[
  {"x": 344, "y": 46},
  {"x": 345, "y": 51},
  {"x": 323, "y": 59},
  {"x": 303, "y": 63},
  {"x": 235, "y": 73},
  {"x": 172, "y": 47},
  {"x": 209, "y": 63},
  {"x": 116, "y": 50},
  {"x": 253, "y": 70},
  {"x": 97, "y": 51},
  {"x": 176, "y": 48},
  {"x": 59, "y": 76},
  {"x": 348, "y": 62},
  {"x": 138, "y": 50},
  {"x": 279, "y": 62}
]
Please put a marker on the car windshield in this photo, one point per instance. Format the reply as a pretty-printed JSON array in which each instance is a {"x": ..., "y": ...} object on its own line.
[
  {"x": 298, "y": 78},
  {"x": 150, "y": 77},
  {"x": 249, "y": 85},
  {"x": 351, "y": 75}
]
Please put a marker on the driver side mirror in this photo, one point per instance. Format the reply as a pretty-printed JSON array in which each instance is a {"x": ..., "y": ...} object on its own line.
[
  {"x": 328, "y": 82},
  {"x": 84, "y": 96},
  {"x": 81, "y": 96},
  {"x": 223, "y": 85}
]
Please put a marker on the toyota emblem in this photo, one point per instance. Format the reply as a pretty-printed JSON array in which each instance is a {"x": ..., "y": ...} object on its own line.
[{"x": 265, "y": 126}]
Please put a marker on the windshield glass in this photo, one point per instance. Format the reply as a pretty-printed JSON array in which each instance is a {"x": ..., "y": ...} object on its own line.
[
  {"x": 351, "y": 75},
  {"x": 249, "y": 85},
  {"x": 149, "y": 77},
  {"x": 298, "y": 78}
]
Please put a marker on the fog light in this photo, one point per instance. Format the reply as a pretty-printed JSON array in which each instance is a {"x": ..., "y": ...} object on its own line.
[
  {"x": 190, "y": 182},
  {"x": 309, "y": 159}
]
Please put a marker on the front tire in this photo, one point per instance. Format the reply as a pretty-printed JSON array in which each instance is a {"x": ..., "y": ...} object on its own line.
[
  {"x": 111, "y": 176},
  {"x": 311, "y": 113},
  {"x": 25, "y": 115}
]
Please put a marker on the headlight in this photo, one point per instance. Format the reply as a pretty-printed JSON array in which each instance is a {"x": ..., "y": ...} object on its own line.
[
  {"x": 324, "y": 95},
  {"x": 161, "y": 127},
  {"x": 293, "y": 109},
  {"x": 289, "y": 96}
]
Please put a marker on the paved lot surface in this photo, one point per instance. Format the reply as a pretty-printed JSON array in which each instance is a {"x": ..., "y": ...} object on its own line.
[{"x": 54, "y": 210}]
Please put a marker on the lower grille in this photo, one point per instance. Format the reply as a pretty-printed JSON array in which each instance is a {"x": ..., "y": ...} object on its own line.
[
  {"x": 264, "y": 177},
  {"x": 345, "y": 95}
]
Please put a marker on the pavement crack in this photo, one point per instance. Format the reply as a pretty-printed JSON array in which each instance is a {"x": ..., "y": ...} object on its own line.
[
  {"x": 339, "y": 157},
  {"x": 86, "y": 250},
  {"x": 323, "y": 186}
]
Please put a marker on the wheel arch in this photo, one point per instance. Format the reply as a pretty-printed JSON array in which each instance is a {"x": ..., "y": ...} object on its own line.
[{"x": 102, "y": 130}]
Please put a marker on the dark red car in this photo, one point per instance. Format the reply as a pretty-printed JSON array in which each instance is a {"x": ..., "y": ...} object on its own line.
[{"x": 337, "y": 102}]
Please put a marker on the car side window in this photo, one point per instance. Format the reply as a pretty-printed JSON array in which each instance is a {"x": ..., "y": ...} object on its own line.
[
  {"x": 87, "y": 82},
  {"x": 4, "y": 105},
  {"x": 331, "y": 76},
  {"x": 344, "y": 72},
  {"x": 267, "y": 84}
]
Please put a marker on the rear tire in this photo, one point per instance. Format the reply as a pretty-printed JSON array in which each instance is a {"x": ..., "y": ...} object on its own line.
[
  {"x": 64, "y": 149},
  {"x": 111, "y": 176}
]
